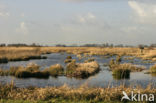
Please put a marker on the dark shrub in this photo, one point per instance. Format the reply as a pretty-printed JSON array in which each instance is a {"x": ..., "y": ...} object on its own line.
[
  {"x": 23, "y": 74},
  {"x": 121, "y": 73},
  {"x": 69, "y": 57},
  {"x": 3, "y": 60}
]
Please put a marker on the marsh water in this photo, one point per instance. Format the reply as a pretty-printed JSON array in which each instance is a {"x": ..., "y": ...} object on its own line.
[{"x": 102, "y": 79}]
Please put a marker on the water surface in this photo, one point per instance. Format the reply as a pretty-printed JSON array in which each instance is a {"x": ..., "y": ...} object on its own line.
[{"x": 102, "y": 79}]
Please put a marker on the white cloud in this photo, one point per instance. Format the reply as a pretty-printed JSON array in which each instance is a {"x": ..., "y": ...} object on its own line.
[
  {"x": 145, "y": 12},
  {"x": 139, "y": 9},
  {"x": 89, "y": 17},
  {"x": 3, "y": 11},
  {"x": 22, "y": 29},
  {"x": 22, "y": 15},
  {"x": 4, "y": 14}
]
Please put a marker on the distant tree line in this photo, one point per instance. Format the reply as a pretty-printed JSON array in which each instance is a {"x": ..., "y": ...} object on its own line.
[
  {"x": 141, "y": 46},
  {"x": 19, "y": 45},
  {"x": 93, "y": 45}
]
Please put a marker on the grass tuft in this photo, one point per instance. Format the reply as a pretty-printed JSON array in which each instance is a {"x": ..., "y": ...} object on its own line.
[{"x": 55, "y": 70}]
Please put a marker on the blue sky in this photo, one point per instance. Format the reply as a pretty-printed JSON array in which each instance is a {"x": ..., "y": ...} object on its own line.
[{"x": 78, "y": 21}]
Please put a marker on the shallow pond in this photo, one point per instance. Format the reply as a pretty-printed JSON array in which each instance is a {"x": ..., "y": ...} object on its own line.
[{"x": 102, "y": 79}]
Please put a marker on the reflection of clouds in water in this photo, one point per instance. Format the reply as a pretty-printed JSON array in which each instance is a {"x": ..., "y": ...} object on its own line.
[{"x": 102, "y": 79}]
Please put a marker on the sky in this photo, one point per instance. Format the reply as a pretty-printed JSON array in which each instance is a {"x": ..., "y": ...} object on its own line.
[{"x": 129, "y": 22}]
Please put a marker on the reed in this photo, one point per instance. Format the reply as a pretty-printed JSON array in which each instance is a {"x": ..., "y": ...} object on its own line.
[
  {"x": 82, "y": 70},
  {"x": 55, "y": 70},
  {"x": 30, "y": 71},
  {"x": 27, "y": 53},
  {"x": 153, "y": 69},
  {"x": 66, "y": 93},
  {"x": 121, "y": 73}
]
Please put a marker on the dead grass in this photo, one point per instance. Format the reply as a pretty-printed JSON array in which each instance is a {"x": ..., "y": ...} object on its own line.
[
  {"x": 131, "y": 67},
  {"x": 32, "y": 70},
  {"x": 9, "y": 91},
  {"x": 153, "y": 69},
  {"x": 82, "y": 70},
  {"x": 55, "y": 70},
  {"x": 19, "y": 54},
  {"x": 26, "y": 53}
]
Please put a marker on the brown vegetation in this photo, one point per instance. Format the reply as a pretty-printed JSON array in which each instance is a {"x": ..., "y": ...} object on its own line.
[
  {"x": 33, "y": 70},
  {"x": 55, "y": 70},
  {"x": 153, "y": 69},
  {"x": 82, "y": 70},
  {"x": 66, "y": 93},
  {"x": 131, "y": 67},
  {"x": 26, "y": 53}
]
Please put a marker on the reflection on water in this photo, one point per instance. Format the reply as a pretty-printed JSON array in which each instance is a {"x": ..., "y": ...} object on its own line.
[{"x": 103, "y": 79}]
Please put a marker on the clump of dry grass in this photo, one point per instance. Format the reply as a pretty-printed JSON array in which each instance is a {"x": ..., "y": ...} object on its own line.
[
  {"x": 68, "y": 59},
  {"x": 153, "y": 69},
  {"x": 31, "y": 70},
  {"x": 55, "y": 70},
  {"x": 82, "y": 70},
  {"x": 131, "y": 67},
  {"x": 68, "y": 93},
  {"x": 89, "y": 60},
  {"x": 121, "y": 73}
]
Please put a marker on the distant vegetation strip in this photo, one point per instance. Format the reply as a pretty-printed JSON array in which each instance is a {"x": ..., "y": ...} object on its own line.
[{"x": 27, "y": 53}]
